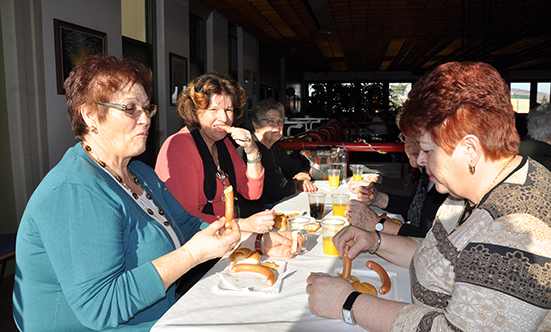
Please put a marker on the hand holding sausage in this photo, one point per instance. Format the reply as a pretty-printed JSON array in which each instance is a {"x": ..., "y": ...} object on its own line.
[{"x": 278, "y": 244}]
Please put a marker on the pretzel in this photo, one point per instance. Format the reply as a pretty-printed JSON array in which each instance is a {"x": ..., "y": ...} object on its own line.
[
  {"x": 398, "y": 221},
  {"x": 245, "y": 255},
  {"x": 228, "y": 192}
]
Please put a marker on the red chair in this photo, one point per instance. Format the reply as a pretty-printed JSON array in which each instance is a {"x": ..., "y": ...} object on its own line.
[{"x": 316, "y": 135}]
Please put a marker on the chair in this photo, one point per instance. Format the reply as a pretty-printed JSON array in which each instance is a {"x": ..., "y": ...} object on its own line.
[{"x": 7, "y": 252}]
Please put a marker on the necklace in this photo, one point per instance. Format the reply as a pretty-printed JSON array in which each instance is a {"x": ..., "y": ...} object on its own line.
[
  {"x": 121, "y": 181},
  {"x": 468, "y": 211}
]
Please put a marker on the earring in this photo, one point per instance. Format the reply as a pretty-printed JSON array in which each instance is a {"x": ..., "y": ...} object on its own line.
[
  {"x": 94, "y": 130},
  {"x": 472, "y": 168}
]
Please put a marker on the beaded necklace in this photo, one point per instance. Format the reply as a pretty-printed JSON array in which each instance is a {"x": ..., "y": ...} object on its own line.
[
  {"x": 132, "y": 193},
  {"x": 467, "y": 210}
]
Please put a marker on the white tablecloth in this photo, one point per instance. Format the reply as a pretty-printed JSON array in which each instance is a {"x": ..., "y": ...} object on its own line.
[{"x": 207, "y": 308}]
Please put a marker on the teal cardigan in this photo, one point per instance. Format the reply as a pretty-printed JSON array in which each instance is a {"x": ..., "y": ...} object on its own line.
[{"x": 84, "y": 250}]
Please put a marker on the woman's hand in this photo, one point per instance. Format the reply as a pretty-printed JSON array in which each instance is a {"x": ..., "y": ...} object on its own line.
[
  {"x": 357, "y": 239},
  {"x": 308, "y": 187},
  {"x": 278, "y": 244},
  {"x": 260, "y": 222},
  {"x": 327, "y": 294},
  {"x": 359, "y": 214},
  {"x": 243, "y": 137},
  {"x": 214, "y": 241},
  {"x": 302, "y": 176}
]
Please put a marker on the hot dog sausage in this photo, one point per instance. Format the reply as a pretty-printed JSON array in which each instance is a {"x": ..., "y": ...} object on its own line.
[
  {"x": 228, "y": 192},
  {"x": 224, "y": 127},
  {"x": 346, "y": 263},
  {"x": 269, "y": 274},
  {"x": 385, "y": 279}
]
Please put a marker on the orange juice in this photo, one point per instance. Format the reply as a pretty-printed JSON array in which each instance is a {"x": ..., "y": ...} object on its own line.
[
  {"x": 328, "y": 247},
  {"x": 334, "y": 181},
  {"x": 356, "y": 177},
  {"x": 338, "y": 209}
]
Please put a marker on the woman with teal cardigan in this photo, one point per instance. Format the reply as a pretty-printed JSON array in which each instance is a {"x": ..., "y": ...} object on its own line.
[{"x": 102, "y": 241}]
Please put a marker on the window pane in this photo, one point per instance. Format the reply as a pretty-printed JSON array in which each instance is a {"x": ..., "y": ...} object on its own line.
[
  {"x": 520, "y": 96},
  {"x": 134, "y": 19},
  {"x": 544, "y": 89}
]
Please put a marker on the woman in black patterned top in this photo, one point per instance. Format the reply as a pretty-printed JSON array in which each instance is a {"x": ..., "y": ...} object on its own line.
[{"x": 486, "y": 263}]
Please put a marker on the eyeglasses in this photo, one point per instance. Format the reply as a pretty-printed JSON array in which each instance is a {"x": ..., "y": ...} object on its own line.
[
  {"x": 273, "y": 122},
  {"x": 402, "y": 137},
  {"x": 133, "y": 110}
]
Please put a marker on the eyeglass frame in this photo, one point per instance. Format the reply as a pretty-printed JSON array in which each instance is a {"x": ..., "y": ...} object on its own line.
[
  {"x": 402, "y": 137},
  {"x": 277, "y": 123},
  {"x": 123, "y": 107}
]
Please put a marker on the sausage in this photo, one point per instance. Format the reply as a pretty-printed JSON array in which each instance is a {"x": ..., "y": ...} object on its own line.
[
  {"x": 228, "y": 192},
  {"x": 268, "y": 273},
  {"x": 385, "y": 279},
  {"x": 224, "y": 128},
  {"x": 398, "y": 221},
  {"x": 346, "y": 263}
]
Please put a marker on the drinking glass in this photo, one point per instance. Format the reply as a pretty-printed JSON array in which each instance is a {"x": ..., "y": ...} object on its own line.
[
  {"x": 330, "y": 227},
  {"x": 339, "y": 204},
  {"x": 334, "y": 177},
  {"x": 317, "y": 203}
]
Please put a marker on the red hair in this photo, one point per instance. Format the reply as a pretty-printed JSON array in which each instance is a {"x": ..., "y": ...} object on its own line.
[
  {"x": 457, "y": 99},
  {"x": 96, "y": 79}
]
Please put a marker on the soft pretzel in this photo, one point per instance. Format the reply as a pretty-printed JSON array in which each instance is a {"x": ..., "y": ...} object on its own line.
[
  {"x": 398, "y": 221},
  {"x": 228, "y": 192},
  {"x": 245, "y": 255}
]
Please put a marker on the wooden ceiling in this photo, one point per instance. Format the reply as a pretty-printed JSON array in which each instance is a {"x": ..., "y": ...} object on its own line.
[{"x": 398, "y": 35}]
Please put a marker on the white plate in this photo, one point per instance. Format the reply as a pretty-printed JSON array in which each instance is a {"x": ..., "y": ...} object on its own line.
[{"x": 372, "y": 277}]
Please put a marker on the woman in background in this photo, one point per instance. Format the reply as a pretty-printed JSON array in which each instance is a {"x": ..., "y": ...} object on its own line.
[
  {"x": 200, "y": 161},
  {"x": 283, "y": 176}
]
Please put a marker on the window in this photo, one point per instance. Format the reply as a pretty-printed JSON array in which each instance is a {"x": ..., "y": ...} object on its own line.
[
  {"x": 398, "y": 93},
  {"x": 520, "y": 96},
  {"x": 544, "y": 90},
  {"x": 134, "y": 19}
]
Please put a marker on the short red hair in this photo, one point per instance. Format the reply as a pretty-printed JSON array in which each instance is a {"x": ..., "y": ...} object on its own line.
[
  {"x": 97, "y": 79},
  {"x": 457, "y": 99}
]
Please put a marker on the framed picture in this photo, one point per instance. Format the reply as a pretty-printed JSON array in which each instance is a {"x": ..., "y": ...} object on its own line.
[
  {"x": 73, "y": 44},
  {"x": 178, "y": 76}
]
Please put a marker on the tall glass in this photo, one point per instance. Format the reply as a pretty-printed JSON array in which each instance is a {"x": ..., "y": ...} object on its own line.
[
  {"x": 334, "y": 177},
  {"x": 339, "y": 204},
  {"x": 357, "y": 172},
  {"x": 330, "y": 227},
  {"x": 317, "y": 204}
]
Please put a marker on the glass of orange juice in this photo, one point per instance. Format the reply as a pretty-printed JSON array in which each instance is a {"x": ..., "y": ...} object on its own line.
[
  {"x": 339, "y": 204},
  {"x": 334, "y": 177},
  {"x": 330, "y": 227},
  {"x": 357, "y": 172}
]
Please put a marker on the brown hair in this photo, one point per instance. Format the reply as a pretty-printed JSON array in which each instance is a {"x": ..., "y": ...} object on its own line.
[
  {"x": 198, "y": 96},
  {"x": 457, "y": 99},
  {"x": 96, "y": 79}
]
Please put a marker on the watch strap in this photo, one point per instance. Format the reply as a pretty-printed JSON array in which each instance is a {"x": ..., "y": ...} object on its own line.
[{"x": 382, "y": 221}]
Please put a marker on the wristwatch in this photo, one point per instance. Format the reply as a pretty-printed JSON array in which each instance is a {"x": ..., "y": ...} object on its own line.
[
  {"x": 347, "y": 314},
  {"x": 380, "y": 225}
]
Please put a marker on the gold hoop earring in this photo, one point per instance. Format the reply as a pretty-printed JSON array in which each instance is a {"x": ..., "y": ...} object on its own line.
[
  {"x": 94, "y": 130},
  {"x": 472, "y": 168}
]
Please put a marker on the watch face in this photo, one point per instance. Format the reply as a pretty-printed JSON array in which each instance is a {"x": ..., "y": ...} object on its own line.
[
  {"x": 379, "y": 227},
  {"x": 347, "y": 317}
]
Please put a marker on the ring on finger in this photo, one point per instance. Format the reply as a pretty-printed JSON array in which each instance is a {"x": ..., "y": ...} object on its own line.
[{"x": 247, "y": 139}]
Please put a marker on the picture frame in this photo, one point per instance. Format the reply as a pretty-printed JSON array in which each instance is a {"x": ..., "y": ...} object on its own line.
[
  {"x": 178, "y": 76},
  {"x": 74, "y": 43}
]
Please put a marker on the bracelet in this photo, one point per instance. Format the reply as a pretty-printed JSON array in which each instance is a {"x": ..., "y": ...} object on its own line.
[
  {"x": 378, "y": 243},
  {"x": 258, "y": 243},
  {"x": 255, "y": 160}
]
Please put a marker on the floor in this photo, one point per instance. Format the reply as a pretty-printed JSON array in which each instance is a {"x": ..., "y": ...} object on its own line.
[{"x": 6, "y": 316}]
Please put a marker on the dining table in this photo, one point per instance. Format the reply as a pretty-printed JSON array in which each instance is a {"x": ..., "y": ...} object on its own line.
[{"x": 213, "y": 305}]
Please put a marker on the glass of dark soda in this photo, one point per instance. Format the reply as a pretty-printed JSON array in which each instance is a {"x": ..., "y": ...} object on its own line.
[{"x": 317, "y": 203}]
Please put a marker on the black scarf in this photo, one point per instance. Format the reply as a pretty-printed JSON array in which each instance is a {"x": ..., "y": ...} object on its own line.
[{"x": 209, "y": 169}]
